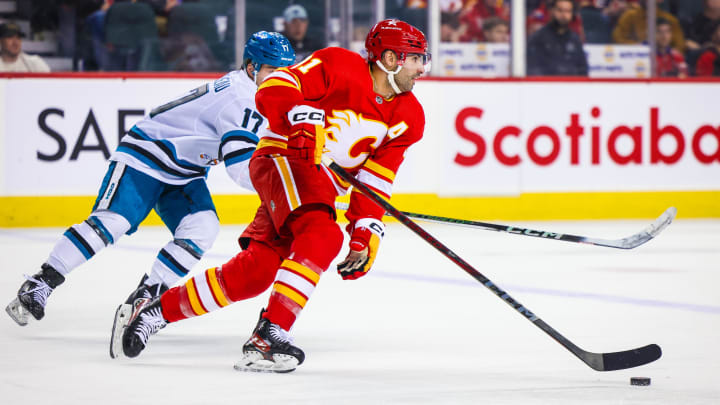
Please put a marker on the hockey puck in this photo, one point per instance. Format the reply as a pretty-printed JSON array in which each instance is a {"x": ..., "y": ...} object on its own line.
[{"x": 639, "y": 381}]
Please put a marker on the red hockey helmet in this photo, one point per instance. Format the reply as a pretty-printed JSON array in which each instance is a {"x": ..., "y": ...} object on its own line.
[{"x": 397, "y": 36}]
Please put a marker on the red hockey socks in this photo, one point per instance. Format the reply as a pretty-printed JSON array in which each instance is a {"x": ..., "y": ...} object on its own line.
[
  {"x": 317, "y": 240},
  {"x": 244, "y": 276}
]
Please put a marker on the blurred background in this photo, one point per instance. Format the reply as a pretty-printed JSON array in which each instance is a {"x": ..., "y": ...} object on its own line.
[
  {"x": 468, "y": 38},
  {"x": 535, "y": 109}
]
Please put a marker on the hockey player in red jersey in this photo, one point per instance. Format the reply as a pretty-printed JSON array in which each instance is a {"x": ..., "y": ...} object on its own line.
[{"x": 363, "y": 115}]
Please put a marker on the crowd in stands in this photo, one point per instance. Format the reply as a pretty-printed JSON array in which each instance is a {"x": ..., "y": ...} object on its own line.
[
  {"x": 687, "y": 31},
  {"x": 148, "y": 35},
  {"x": 198, "y": 35}
]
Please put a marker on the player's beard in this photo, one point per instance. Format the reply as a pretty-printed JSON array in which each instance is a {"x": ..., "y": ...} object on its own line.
[{"x": 405, "y": 82}]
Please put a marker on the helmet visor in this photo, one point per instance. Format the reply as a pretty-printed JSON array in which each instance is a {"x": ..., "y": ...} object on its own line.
[{"x": 421, "y": 58}]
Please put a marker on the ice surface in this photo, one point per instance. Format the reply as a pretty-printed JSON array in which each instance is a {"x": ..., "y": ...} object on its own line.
[{"x": 417, "y": 329}]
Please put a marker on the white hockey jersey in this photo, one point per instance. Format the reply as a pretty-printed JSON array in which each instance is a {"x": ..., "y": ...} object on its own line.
[{"x": 179, "y": 141}]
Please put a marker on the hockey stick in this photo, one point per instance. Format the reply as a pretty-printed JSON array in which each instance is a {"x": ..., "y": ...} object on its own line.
[
  {"x": 597, "y": 361},
  {"x": 629, "y": 242}
]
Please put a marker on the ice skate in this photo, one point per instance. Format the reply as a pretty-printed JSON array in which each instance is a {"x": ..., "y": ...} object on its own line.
[
  {"x": 270, "y": 349},
  {"x": 147, "y": 321},
  {"x": 33, "y": 294},
  {"x": 17, "y": 312},
  {"x": 129, "y": 309}
]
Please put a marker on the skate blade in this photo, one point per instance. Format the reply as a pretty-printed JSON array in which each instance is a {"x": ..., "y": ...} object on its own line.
[
  {"x": 17, "y": 312},
  {"x": 256, "y": 363},
  {"x": 122, "y": 319}
]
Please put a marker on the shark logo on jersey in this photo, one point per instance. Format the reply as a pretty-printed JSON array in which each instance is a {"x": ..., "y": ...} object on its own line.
[{"x": 209, "y": 160}]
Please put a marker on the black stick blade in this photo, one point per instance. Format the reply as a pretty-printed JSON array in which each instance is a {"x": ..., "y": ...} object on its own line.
[
  {"x": 630, "y": 358},
  {"x": 597, "y": 361}
]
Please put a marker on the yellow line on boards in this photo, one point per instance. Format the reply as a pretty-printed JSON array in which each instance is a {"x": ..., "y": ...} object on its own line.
[{"x": 64, "y": 211}]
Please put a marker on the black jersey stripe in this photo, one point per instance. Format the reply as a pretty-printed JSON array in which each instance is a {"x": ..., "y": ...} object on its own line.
[
  {"x": 242, "y": 138},
  {"x": 238, "y": 152},
  {"x": 157, "y": 142},
  {"x": 147, "y": 155}
]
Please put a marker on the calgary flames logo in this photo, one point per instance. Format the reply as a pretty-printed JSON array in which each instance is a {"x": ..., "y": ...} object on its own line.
[{"x": 350, "y": 137}]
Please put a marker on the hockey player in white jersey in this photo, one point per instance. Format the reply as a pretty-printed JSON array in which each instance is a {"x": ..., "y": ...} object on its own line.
[{"x": 162, "y": 164}]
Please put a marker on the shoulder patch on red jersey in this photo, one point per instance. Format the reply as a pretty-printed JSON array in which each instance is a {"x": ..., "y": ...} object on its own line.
[{"x": 341, "y": 55}]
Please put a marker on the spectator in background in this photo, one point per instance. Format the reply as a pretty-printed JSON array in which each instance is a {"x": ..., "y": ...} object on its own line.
[
  {"x": 613, "y": 9},
  {"x": 12, "y": 58},
  {"x": 496, "y": 30},
  {"x": 555, "y": 50},
  {"x": 162, "y": 9},
  {"x": 451, "y": 6},
  {"x": 296, "y": 26},
  {"x": 700, "y": 30},
  {"x": 95, "y": 23},
  {"x": 708, "y": 63},
  {"x": 449, "y": 27},
  {"x": 476, "y": 12},
  {"x": 632, "y": 26},
  {"x": 669, "y": 62},
  {"x": 539, "y": 16},
  {"x": 534, "y": 23}
]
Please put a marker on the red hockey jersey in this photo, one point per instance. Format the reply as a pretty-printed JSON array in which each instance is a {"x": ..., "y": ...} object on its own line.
[{"x": 365, "y": 133}]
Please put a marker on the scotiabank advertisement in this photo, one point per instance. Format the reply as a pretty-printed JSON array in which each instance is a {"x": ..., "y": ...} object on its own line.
[
  {"x": 481, "y": 138},
  {"x": 514, "y": 137}
]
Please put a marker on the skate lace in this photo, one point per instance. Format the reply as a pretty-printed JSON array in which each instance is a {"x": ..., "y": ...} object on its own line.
[
  {"x": 280, "y": 335},
  {"x": 41, "y": 291},
  {"x": 158, "y": 288},
  {"x": 149, "y": 324},
  {"x": 147, "y": 292}
]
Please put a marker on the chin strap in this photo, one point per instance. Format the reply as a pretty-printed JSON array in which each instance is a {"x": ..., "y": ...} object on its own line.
[
  {"x": 391, "y": 76},
  {"x": 256, "y": 68},
  {"x": 255, "y": 75}
]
